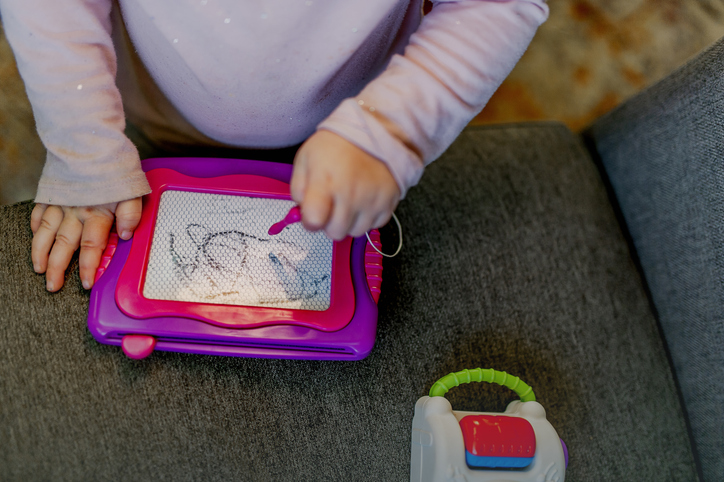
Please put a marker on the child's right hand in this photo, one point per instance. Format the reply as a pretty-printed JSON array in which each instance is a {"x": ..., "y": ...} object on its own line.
[{"x": 58, "y": 231}]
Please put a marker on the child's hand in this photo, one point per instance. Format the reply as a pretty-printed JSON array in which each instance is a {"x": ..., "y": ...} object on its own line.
[
  {"x": 58, "y": 231},
  {"x": 340, "y": 188}
]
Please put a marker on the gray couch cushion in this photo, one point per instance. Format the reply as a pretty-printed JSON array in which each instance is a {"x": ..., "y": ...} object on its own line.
[
  {"x": 513, "y": 259},
  {"x": 664, "y": 154}
]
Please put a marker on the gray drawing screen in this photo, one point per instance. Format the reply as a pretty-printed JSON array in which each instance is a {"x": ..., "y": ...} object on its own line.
[{"x": 214, "y": 248}]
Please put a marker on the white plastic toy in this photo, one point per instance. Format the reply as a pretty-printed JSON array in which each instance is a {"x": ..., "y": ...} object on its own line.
[{"x": 519, "y": 445}]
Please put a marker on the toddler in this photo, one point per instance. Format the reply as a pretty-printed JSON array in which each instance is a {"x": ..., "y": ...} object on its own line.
[{"x": 372, "y": 89}]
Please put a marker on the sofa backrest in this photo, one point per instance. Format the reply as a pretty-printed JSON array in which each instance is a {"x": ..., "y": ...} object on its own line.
[{"x": 663, "y": 152}]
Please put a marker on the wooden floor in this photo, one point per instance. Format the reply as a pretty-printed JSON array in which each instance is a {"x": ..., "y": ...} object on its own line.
[{"x": 588, "y": 57}]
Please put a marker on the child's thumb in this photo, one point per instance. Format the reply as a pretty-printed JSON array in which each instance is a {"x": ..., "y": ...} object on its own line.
[{"x": 128, "y": 215}]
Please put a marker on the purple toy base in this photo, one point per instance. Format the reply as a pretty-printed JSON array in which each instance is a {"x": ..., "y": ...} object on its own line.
[
  {"x": 138, "y": 346},
  {"x": 109, "y": 325}
]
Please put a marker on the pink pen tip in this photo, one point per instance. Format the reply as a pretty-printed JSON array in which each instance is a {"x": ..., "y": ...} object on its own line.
[
  {"x": 277, "y": 228},
  {"x": 293, "y": 216}
]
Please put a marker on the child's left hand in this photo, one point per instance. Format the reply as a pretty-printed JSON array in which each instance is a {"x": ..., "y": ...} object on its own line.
[{"x": 340, "y": 188}]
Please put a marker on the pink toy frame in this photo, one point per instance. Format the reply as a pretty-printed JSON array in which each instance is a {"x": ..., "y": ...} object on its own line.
[{"x": 129, "y": 293}]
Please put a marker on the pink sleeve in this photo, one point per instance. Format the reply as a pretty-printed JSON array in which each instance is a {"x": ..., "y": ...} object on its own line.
[
  {"x": 458, "y": 57},
  {"x": 66, "y": 58}
]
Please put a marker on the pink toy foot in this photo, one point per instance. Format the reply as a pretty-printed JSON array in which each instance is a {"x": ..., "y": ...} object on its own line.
[{"x": 138, "y": 346}]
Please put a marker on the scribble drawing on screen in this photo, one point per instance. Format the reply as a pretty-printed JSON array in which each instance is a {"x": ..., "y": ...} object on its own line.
[{"x": 234, "y": 266}]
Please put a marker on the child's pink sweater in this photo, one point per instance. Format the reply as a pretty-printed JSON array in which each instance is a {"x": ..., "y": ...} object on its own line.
[{"x": 256, "y": 75}]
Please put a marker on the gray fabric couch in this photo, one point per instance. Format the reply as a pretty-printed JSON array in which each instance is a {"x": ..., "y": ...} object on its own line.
[{"x": 590, "y": 266}]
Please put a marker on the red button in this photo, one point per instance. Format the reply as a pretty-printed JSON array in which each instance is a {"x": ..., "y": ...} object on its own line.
[{"x": 498, "y": 436}]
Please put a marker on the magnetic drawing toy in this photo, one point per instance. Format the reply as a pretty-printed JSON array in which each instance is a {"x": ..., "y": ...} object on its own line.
[
  {"x": 211, "y": 270},
  {"x": 519, "y": 445}
]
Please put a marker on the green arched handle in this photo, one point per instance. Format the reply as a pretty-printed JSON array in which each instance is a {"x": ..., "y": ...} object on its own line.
[{"x": 440, "y": 387}]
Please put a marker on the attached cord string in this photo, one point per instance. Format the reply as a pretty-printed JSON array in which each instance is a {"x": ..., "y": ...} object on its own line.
[{"x": 399, "y": 248}]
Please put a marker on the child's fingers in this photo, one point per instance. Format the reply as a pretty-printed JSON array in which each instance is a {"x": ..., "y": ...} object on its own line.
[
  {"x": 36, "y": 216},
  {"x": 316, "y": 209},
  {"x": 365, "y": 221},
  {"x": 298, "y": 183},
  {"x": 341, "y": 221},
  {"x": 92, "y": 243},
  {"x": 382, "y": 219},
  {"x": 44, "y": 236},
  {"x": 66, "y": 243},
  {"x": 128, "y": 215}
]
